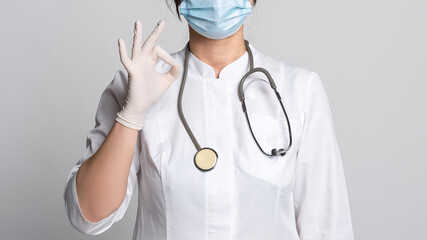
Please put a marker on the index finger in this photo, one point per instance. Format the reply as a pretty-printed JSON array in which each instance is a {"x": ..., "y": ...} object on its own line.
[
  {"x": 149, "y": 44},
  {"x": 162, "y": 54}
]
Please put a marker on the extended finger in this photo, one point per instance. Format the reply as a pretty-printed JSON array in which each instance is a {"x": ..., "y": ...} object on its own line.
[
  {"x": 137, "y": 39},
  {"x": 148, "y": 45},
  {"x": 124, "y": 58},
  {"x": 165, "y": 56}
]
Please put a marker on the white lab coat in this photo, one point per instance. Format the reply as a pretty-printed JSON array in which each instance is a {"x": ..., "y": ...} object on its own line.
[{"x": 248, "y": 195}]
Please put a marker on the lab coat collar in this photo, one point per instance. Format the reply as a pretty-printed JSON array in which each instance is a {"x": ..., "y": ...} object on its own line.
[{"x": 235, "y": 69}]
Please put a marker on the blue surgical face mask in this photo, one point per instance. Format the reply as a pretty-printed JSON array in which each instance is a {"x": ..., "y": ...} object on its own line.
[{"x": 215, "y": 19}]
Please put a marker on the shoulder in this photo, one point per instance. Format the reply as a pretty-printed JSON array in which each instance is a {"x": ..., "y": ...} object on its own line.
[
  {"x": 299, "y": 78},
  {"x": 290, "y": 71},
  {"x": 300, "y": 84}
]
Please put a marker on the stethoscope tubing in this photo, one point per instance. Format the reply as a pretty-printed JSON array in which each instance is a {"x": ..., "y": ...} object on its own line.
[
  {"x": 252, "y": 70},
  {"x": 181, "y": 90}
]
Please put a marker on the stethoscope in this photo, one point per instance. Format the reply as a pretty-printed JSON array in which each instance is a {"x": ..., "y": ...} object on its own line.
[{"x": 206, "y": 158}]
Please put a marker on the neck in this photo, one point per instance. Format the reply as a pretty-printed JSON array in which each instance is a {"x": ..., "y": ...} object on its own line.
[{"x": 218, "y": 53}]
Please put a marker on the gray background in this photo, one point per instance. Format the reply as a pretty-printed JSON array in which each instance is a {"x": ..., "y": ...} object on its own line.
[{"x": 58, "y": 56}]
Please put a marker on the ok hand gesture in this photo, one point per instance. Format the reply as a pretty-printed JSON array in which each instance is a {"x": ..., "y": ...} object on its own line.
[{"x": 145, "y": 84}]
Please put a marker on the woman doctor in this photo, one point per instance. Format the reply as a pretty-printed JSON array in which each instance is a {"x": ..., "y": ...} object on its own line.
[{"x": 140, "y": 137}]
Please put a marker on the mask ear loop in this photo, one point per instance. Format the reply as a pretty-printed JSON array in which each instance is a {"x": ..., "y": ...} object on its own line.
[{"x": 274, "y": 151}]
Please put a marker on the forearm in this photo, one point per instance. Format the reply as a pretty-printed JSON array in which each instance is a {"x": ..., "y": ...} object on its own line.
[{"x": 101, "y": 181}]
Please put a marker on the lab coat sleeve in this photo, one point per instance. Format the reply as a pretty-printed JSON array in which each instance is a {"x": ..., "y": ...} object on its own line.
[
  {"x": 110, "y": 103},
  {"x": 320, "y": 195}
]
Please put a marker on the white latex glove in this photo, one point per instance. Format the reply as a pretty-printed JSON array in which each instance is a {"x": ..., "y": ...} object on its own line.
[{"x": 145, "y": 84}]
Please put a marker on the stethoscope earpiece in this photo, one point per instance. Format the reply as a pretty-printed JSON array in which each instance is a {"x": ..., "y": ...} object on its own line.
[{"x": 276, "y": 152}]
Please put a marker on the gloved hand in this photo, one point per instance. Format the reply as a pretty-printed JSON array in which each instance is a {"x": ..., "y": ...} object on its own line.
[{"x": 145, "y": 84}]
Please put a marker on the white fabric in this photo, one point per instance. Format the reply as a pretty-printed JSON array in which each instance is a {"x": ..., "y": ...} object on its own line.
[{"x": 248, "y": 195}]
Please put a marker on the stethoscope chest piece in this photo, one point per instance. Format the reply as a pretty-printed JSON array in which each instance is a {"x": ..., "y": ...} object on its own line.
[{"x": 205, "y": 159}]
